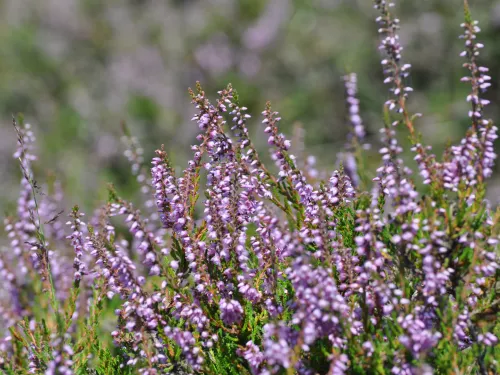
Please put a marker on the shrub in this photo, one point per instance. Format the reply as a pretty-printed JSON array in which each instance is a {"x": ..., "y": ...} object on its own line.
[{"x": 271, "y": 270}]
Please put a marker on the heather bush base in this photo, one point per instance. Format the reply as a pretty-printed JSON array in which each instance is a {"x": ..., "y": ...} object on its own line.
[{"x": 229, "y": 267}]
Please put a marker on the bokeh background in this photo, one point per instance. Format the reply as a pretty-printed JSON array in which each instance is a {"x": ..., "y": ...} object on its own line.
[{"x": 77, "y": 68}]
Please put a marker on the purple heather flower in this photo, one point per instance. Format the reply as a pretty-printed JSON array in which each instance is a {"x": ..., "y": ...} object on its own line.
[
  {"x": 191, "y": 313},
  {"x": 231, "y": 311},
  {"x": 339, "y": 365},
  {"x": 487, "y": 339},
  {"x": 319, "y": 305},
  {"x": 167, "y": 194},
  {"x": 134, "y": 154},
  {"x": 148, "y": 245},
  {"x": 488, "y": 155},
  {"x": 478, "y": 78},
  {"x": 78, "y": 243},
  {"x": 417, "y": 338},
  {"x": 187, "y": 343},
  {"x": 340, "y": 189},
  {"x": 278, "y": 341},
  {"x": 321, "y": 265},
  {"x": 394, "y": 70},
  {"x": 351, "y": 86},
  {"x": 252, "y": 354},
  {"x": 461, "y": 329},
  {"x": 474, "y": 157},
  {"x": 396, "y": 73},
  {"x": 462, "y": 165}
]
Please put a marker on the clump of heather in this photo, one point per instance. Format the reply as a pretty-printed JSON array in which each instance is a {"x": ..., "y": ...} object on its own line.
[{"x": 234, "y": 267}]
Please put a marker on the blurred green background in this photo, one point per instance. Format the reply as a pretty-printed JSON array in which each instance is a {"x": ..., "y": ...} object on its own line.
[{"x": 77, "y": 68}]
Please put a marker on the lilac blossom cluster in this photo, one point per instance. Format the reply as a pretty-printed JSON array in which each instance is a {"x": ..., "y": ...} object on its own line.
[{"x": 231, "y": 267}]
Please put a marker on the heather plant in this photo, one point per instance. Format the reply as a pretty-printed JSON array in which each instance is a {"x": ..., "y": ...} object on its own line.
[{"x": 235, "y": 267}]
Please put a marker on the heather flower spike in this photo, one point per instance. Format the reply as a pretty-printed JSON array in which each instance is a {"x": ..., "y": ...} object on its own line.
[
  {"x": 352, "y": 158},
  {"x": 396, "y": 73},
  {"x": 233, "y": 267}
]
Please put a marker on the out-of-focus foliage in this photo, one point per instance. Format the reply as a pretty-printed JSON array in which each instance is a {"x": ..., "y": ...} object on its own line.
[{"x": 77, "y": 68}]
